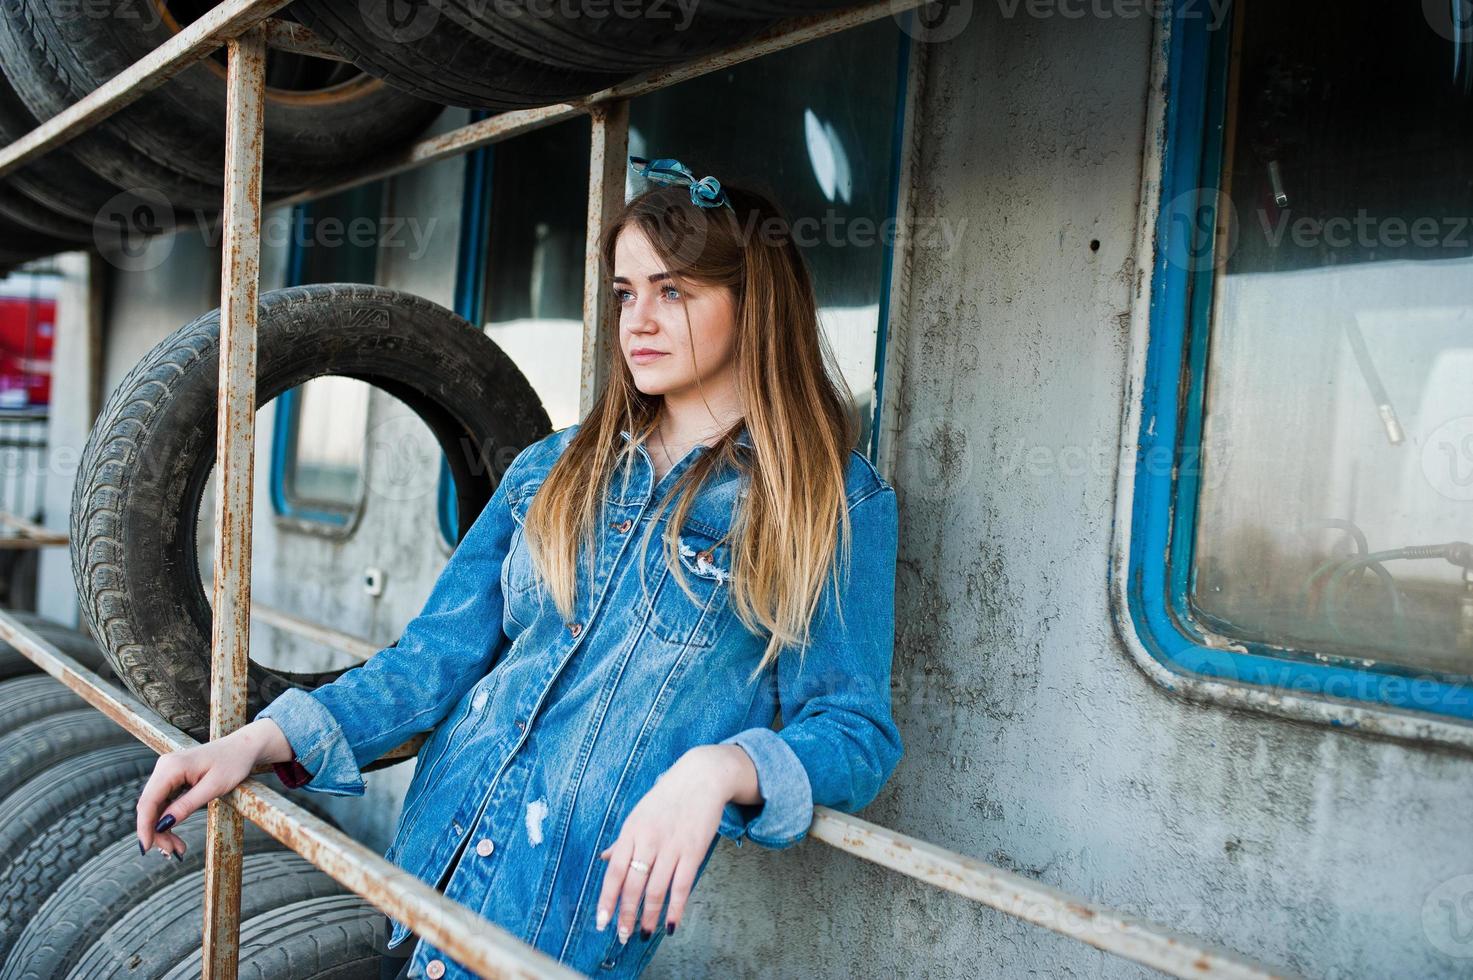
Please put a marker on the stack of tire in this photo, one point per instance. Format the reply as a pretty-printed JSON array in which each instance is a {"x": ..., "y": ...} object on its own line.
[
  {"x": 520, "y": 54},
  {"x": 77, "y": 899},
  {"x": 159, "y": 163},
  {"x": 141, "y": 481}
]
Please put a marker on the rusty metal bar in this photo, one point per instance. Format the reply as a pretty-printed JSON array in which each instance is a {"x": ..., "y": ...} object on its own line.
[
  {"x": 473, "y": 940},
  {"x": 235, "y": 454},
  {"x": 326, "y": 635},
  {"x": 25, "y": 526},
  {"x": 32, "y": 535},
  {"x": 121, "y": 706},
  {"x": 198, "y": 40},
  {"x": 29, "y": 543},
  {"x": 439, "y": 919},
  {"x": 288, "y": 35},
  {"x": 607, "y": 166},
  {"x": 1032, "y": 901},
  {"x": 467, "y": 937}
]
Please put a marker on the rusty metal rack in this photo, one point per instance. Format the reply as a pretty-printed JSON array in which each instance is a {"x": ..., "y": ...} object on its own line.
[
  {"x": 245, "y": 29},
  {"x": 27, "y": 534}
]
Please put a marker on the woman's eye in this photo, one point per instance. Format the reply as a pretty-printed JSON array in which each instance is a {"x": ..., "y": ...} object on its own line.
[
  {"x": 671, "y": 289},
  {"x": 619, "y": 294}
]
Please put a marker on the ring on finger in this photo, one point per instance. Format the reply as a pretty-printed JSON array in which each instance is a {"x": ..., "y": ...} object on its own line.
[{"x": 638, "y": 865}]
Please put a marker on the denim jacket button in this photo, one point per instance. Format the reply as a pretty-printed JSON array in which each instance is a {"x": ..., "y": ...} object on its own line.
[
  {"x": 484, "y": 847},
  {"x": 435, "y": 970},
  {"x": 624, "y": 525},
  {"x": 575, "y": 628},
  {"x": 521, "y": 725}
]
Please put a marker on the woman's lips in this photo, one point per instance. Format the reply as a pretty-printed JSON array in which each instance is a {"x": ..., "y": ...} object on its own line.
[{"x": 644, "y": 357}]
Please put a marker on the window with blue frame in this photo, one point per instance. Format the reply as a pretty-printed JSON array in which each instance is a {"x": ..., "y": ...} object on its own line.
[
  {"x": 1304, "y": 490},
  {"x": 319, "y": 440},
  {"x": 829, "y": 154}
]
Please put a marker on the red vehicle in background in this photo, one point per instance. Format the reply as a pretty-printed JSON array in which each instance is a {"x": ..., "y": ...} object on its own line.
[{"x": 27, "y": 332}]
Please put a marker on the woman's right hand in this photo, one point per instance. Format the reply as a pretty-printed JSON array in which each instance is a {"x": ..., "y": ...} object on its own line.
[{"x": 203, "y": 772}]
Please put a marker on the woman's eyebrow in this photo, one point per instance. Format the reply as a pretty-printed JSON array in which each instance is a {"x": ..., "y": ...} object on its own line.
[{"x": 654, "y": 277}]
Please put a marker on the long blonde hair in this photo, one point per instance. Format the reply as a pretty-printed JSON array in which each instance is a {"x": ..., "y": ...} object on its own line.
[{"x": 793, "y": 522}]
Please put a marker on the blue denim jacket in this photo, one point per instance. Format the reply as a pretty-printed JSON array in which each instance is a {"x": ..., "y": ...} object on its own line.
[{"x": 546, "y": 733}]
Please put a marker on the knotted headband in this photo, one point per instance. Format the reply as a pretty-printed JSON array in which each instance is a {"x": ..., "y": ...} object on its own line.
[{"x": 705, "y": 193}]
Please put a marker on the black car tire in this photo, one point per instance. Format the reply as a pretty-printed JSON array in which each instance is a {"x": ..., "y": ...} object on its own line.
[{"x": 138, "y": 490}]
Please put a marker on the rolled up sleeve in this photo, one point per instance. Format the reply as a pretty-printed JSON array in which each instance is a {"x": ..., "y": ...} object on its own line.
[
  {"x": 411, "y": 686},
  {"x": 839, "y": 742}
]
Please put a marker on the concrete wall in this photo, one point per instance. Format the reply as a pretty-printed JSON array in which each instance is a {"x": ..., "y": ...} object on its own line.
[
  {"x": 1033, "y": 741},
  {"x": 73, "y": 407}
]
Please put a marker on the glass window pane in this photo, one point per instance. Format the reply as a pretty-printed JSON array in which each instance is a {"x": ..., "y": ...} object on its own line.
[
  {"x": 335, "y": 239},
  {"x": 1337, "y": 476},
  {"x": 534, "y": 298},
  {"x": 823, "y": 151},
  {"x": 327, "y": 465}
]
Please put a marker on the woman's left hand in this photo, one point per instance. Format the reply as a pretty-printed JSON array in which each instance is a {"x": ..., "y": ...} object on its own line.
[{"x": 670, "y": 830}]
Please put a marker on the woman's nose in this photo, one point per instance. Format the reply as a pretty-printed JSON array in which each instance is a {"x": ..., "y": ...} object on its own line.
[{"x": 641, "y": 317}]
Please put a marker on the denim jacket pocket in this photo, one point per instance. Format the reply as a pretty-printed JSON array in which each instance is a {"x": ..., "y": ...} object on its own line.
[{"x": 692, "y": 619}]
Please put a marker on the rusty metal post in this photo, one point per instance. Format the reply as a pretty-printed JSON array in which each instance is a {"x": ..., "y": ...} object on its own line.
[
  {"x": 235, "y": 444},
  {"x": 607, "y": 164}
]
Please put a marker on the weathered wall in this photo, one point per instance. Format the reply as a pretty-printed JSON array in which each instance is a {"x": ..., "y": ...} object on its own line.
[
  {"x": 70, "y": 420},
  {"x": 1033, "y": 741}
]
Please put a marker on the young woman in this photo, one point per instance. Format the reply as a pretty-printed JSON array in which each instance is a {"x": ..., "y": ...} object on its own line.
[{"x": 602, "y": 659}]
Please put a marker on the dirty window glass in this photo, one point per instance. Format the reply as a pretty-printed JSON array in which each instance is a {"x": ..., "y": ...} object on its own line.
[
  {"x": 1336, "y": 485},
  {"x": 534, "y": 274},
  {"x": 824, "y": 151},
  {"x": 334, "y": 239}
]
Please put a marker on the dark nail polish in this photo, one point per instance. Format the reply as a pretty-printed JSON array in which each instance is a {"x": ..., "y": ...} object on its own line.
[
  {"x": 669, "y": 928},
  {"x": 142, "y": 850},
  {"x": 645, "y": 933},
  {"x": 165, "y": 822}
]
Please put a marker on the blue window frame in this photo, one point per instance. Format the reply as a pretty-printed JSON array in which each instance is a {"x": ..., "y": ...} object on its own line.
[
  {"x": 325, "y": 491},
  {"x": 1168, "y": 476},
  {"x": 470, "y": 292}
]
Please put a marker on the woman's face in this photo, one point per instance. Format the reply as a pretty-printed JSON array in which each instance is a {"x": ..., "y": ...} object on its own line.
[{"x": 652, "y": 318}]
